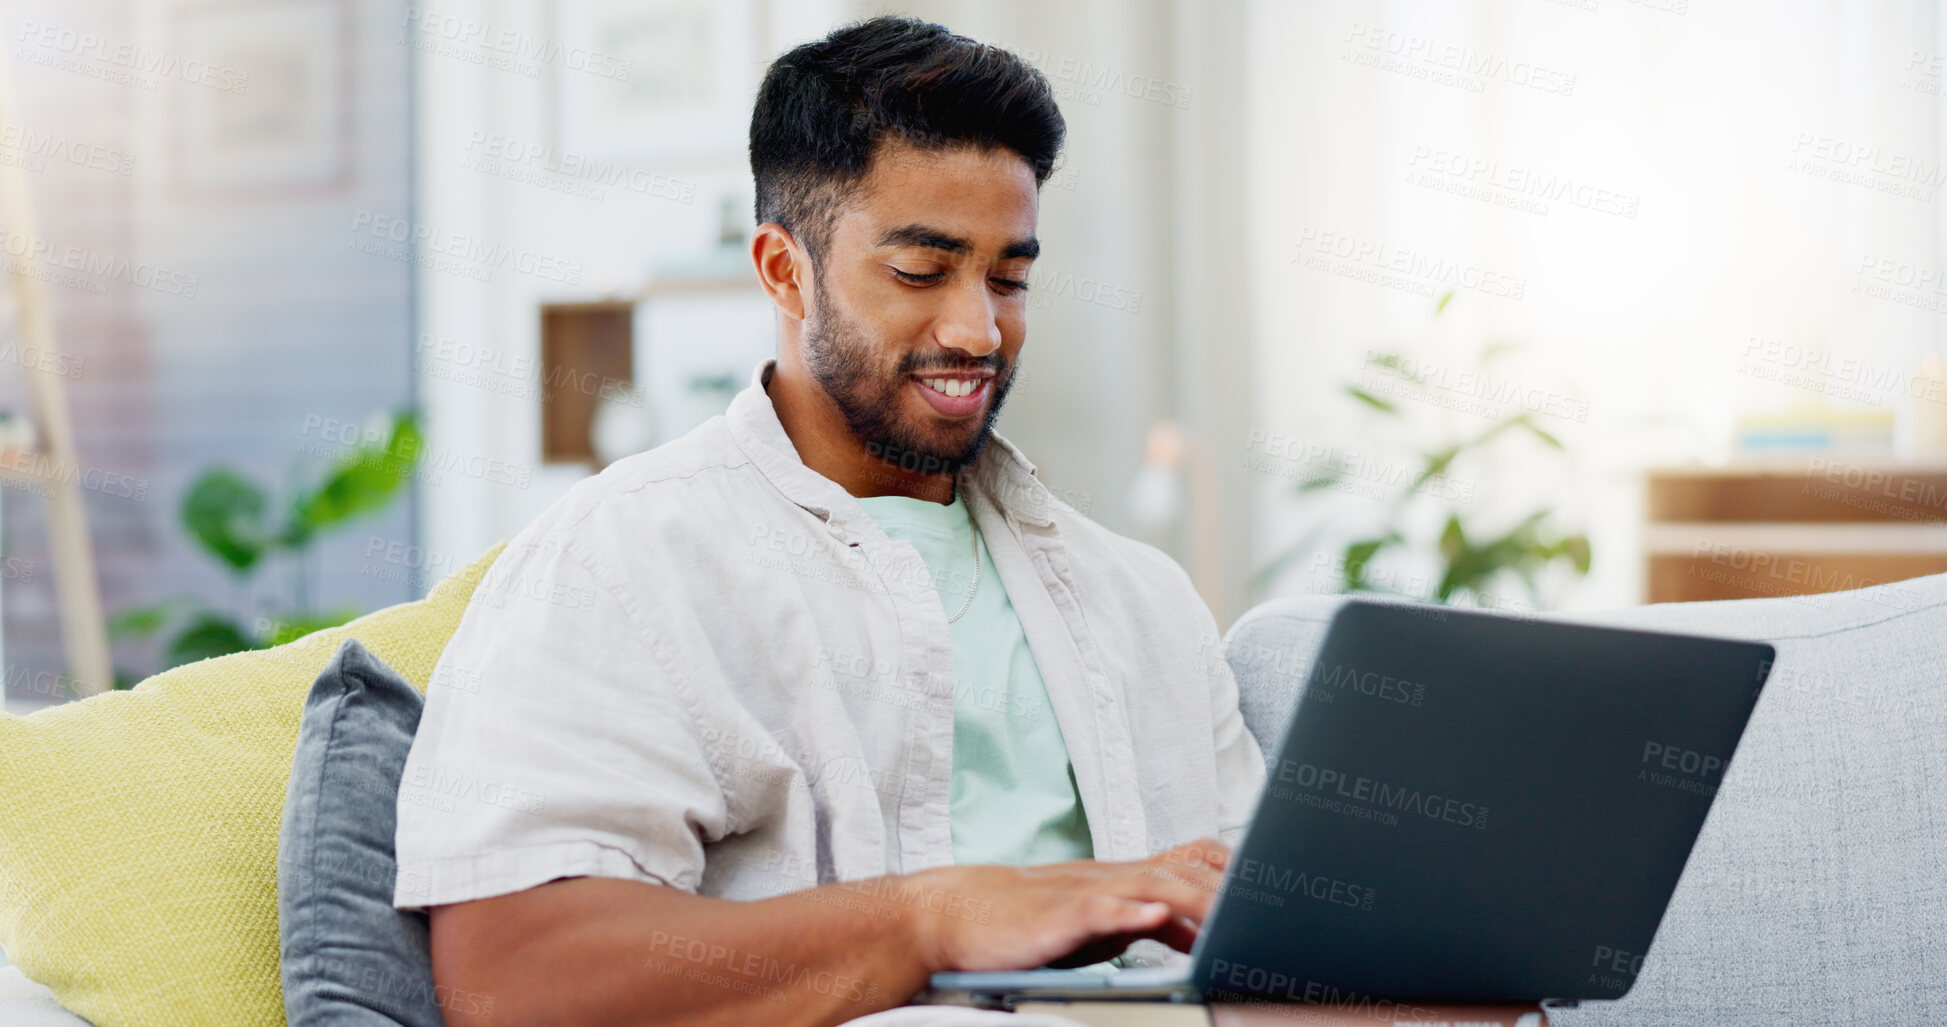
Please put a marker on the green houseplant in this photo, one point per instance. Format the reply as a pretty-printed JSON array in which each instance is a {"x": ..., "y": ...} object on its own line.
[
  {"x": 231, "y": 517},
  {"x": 1472, "y": 562}
]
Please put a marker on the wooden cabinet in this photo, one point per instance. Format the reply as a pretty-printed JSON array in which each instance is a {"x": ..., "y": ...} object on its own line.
[{"x": 1817, "y": 524}]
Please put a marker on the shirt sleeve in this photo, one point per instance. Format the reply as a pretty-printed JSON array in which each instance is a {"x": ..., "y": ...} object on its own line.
[
  {"x": 557, "y": 741},
  {"x": 1240, "y": 761}
]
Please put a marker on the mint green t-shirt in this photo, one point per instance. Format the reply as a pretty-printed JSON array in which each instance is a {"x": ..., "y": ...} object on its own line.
[{"x": 1013, "y": 799}]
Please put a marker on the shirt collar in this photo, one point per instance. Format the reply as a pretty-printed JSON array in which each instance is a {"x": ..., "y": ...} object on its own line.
[{"x": 1001, "y": 473}]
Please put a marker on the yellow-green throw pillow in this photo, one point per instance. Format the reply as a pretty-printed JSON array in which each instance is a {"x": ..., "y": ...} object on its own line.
[{"x": 138, "y": 829}]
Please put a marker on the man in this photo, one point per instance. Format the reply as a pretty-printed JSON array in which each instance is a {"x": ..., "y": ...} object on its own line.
[{"x": 771, "y": 722}]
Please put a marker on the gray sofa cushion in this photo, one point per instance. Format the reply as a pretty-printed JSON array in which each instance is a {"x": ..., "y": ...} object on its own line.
[
  {"x": 349, "y": 958},
  {"x": 25, "y": 1003},
  {"x": 1817, "y": 893}
]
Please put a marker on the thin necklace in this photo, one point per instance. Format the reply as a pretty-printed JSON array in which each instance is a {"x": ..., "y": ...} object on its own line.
[{"x": 976, "y": 575}]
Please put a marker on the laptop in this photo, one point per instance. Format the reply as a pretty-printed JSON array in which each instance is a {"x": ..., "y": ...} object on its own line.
[{"x": 1465, "y": 807}]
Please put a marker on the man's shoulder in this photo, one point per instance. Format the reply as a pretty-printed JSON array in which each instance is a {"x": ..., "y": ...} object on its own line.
[{"x": 655, "y": 493}]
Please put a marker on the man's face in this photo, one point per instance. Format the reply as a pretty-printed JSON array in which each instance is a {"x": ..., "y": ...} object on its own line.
[{"x": 919, "y": 308}]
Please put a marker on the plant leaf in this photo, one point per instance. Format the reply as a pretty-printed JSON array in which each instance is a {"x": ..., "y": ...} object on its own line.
[
  {"x": 297, "y": 626},
  {"x": 1436, "y": 465},
  {"x": 143, "y": 621},
  {"x": 1442, "y": 305},
  {"x": 359, "y": 482},
  {"x": 1453, "y": 539},
  {"x": 1496, "y": 350},
  {"x": 1542, "y": 435},
  {"x": 225, "y": 512},
  {"x": 1371, "y": 400},
  {"x": 1577, "y": 548},
  {"x": 206, "y": 636},
  {"x": 1357, "y": 555},
  {"x": 1321, "y": 480}
]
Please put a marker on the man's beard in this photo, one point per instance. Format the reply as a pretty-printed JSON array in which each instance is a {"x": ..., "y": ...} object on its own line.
[{"x": 845, "y": 363}]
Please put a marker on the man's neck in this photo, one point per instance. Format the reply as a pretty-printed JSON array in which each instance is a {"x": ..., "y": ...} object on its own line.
[{"x": 825, "y": 443}]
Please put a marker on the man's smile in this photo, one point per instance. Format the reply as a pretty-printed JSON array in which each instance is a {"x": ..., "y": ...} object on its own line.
[{"x": 955, "y": 395}]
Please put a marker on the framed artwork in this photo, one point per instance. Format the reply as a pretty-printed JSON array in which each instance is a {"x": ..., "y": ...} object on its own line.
[
  {"x": 265, "y": 97},
  {"x": 654, "y": 83}
]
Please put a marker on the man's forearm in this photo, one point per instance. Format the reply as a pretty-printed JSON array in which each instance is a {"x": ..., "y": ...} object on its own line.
[
  {"x": 610, "y": 952},
  {"x": 607, "y": 951}
]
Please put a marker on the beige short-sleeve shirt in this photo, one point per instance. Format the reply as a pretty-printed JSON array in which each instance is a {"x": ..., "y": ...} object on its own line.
[{"x": 707, "y": 667}]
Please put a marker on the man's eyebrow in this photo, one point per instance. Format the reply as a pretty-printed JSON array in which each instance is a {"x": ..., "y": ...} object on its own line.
[{"x": 934, "y": 239}]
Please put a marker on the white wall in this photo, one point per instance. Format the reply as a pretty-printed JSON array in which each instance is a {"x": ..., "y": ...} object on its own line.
[
  {"x": 1705, "y": 121},
  {"x": 480, "y": 339},
  {"x": 285, "y": 326},
  {"x": 1107, "y": 343}
]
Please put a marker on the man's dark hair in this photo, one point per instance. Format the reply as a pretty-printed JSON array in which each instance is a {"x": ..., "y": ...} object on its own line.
[{"x": 825, "y": 106}]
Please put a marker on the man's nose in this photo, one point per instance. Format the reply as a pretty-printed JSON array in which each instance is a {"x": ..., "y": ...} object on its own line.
[{"x": 968, "y": 323}]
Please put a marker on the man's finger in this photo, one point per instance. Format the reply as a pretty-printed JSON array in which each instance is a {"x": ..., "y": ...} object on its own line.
[
  {"x": 1185, "y": 899},
  {"x": 1207, "y": 852},
  {"x": 1109, "y": 914},
  {"x": 1195, "y": 875}
]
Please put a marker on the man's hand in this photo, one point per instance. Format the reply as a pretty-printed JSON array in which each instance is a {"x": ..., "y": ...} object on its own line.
[
  {"x": 1071, "y": 914},
  {"x": 605, "y": 951}
]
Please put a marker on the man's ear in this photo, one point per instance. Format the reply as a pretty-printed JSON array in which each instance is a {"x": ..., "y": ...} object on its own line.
[{"x": 783, "y": 267}]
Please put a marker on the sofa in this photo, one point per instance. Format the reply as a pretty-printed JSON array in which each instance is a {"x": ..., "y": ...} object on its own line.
[{"x": 1817, "y": 893}]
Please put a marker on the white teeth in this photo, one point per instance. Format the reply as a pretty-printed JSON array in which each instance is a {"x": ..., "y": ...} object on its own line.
[{"x": 952, "y": 386}]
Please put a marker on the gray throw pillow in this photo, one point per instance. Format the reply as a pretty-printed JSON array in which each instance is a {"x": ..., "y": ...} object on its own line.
[{"x": 349, "y": 958}]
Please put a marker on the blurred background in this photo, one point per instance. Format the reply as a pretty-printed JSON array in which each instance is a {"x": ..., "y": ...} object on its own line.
[{"x": 1525, "y": 304}]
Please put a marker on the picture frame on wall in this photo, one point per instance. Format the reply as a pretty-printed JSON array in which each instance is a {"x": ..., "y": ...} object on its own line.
[
  {"x": 269, "y": 107},
  {"x": 654, "y": 83}
]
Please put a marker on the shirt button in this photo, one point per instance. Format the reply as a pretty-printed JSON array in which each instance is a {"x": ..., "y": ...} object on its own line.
[{"x": 838, "y": 531}]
